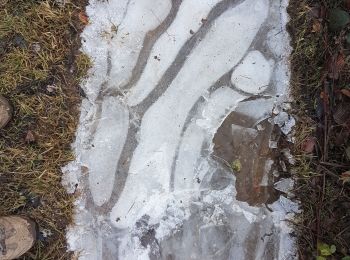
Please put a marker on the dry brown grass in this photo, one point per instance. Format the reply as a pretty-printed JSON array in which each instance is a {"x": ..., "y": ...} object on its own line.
[
  {"x": 325, "y": 200},
  {"x": 40, "y": 71}
]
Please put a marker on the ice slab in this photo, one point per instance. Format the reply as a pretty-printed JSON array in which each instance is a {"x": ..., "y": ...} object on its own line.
[{"x": 169, "y": 76}]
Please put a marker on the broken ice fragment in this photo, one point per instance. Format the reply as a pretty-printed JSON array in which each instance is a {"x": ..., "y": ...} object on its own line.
[
  {"x": 285, "y": 121},
  {"x": 284, "y": 185},
  {"x": 287, "y": 154}
]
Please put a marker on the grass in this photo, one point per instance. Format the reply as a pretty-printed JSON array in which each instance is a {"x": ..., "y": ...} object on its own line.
[
  {"x": 40, "y": 71},
  {"x": 325, "y": 199}
]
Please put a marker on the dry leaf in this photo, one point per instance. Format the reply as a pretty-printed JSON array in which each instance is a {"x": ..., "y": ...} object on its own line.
[
  {"x": 335, "y": 65},
  {"x": 341, "y": 113},
  {"x": 316, "y": 26},
  {"x": 341, "y": 138},
  {"x": 345, "y": 177},
  {"x": 347, "y": 4},
  {"x": 83, "y": 18},
  {"x": 30, "y": 137},
  {"x": 309, "y": 144},
  {"x": 315, "y": 11},
  {"x": 345, "y": 92}
]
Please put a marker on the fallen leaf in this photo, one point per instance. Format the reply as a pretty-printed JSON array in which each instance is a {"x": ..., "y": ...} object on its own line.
[
  {"x": 347, "y": 4},
  {"x": 345, "y": 92},
  {"x": 326, "y": 250},
  {"x": 315, "y": 11},
  {"x": 338, "y": 19},
  {"x": 345, "y": 177},
  {"x": 316, "y": 26},
  {"x": 324, "y": 97},
  {"x": 30, "y": 137},
  {"x": 341, "y": 113},
  {"x": 309, "y": 144},
  {"x": 335, "y": 65},
  {"x": 340, "y": 61},
  {"x": 236, "y": 166},
  {"x": 341, "y": 138},
  {"x": 83, "y": 18}
]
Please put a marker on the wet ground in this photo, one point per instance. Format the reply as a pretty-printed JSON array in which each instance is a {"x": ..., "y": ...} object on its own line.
[
  {"x": 239, "y": 140},
  {"x": 176, "y": 149}
]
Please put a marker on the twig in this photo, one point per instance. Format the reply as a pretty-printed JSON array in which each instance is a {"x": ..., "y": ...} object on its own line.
[
  {"x": 335, "y": 165},
  {"x": 329, "y": 172}
]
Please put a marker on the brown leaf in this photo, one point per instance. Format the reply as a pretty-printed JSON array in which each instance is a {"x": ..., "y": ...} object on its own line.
[
  {"x": 345, "y": 177},
  {"x": 315, "y": 11},
  {"x": 341, "y": 113},
  {"x": 316, "y": 26},
  {"x": 347, "y": 4},
  {"x": 345, "y": 92},
  {"x": 30, "y": 138},
  {"x": 335, "y": 65},
  {"x": 318, "y": 12},
  {"x": 325, "y": 97},
  {"x": 83, "y": 18},
  {"x": 309, "y": 144},
  {"x": 340, "y": 61},
  {"x": 341, "y": 138}
]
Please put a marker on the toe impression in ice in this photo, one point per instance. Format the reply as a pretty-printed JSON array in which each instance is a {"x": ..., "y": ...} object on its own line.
[{"x": 253, "y": 74}]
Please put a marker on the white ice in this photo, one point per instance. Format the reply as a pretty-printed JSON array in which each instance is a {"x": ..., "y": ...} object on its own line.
[
  {"x": 114, "y": 40},
  {"x": 189, "y": 17},
  {"x": 222, "y": 48},
  {"x": 101, "y": 157},
  {"x": 253, "y": 74},
  {"x": 214, "y": 111}
]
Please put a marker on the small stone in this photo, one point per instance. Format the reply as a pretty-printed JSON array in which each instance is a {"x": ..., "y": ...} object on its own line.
[
  {"x": 5, "y": 112},
  {"x": 51, "y": 88},
  {"x": 273, "y": 144},
  {"x": 36, "y": 47},
  {"x": 46, "y": 233},
  {"x": 19, "y": 41},
  {"x": 260, "y": 127},
  {"x": 30, "y": 138},
  {"x": 275, "y": 110}
]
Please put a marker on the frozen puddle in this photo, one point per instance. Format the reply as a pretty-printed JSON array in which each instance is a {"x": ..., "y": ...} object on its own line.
[{"x": 179, "y": 90}]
